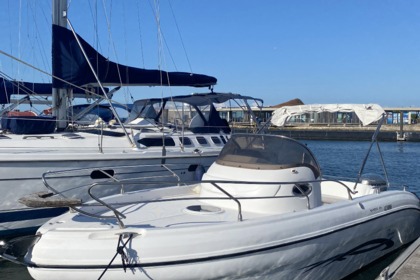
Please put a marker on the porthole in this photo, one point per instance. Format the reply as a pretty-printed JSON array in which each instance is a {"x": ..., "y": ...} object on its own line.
[
  {"x": 102, "y": 174},
  {"x": 301, "y": 189}
]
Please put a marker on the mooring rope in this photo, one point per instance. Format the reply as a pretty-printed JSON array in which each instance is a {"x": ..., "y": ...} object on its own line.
[{"x": 120, "y": 250}]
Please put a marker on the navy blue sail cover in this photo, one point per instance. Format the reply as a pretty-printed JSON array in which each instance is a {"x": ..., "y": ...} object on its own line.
[
  {"x": 11, "y": 87},
  {"x": 8, "y": 88},
  {"x": 29, "y": 124},
  {"x": 69, "y": 64}
]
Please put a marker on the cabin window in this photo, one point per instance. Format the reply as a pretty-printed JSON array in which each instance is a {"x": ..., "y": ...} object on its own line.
[
  {"x": 201, "y": 140},
  {"x": 216, "y": 140},
  {"x": 156, "y": 142},
  {"x": 187, "y": 141}
]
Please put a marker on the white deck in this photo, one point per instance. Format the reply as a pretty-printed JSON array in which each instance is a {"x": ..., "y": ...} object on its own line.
[{"x": 160, "y": 215}]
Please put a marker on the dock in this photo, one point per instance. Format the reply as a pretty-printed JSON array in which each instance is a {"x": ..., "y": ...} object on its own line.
[
  {"x": 388, "y": 133},
  {"x": 402, "y": 124},
  {"x": 406, "y": 266},
  {"x": 336, "y": 132}
]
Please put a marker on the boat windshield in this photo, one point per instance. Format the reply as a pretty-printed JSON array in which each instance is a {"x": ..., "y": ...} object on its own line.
[
  {"x": 266, "y": 152},
  {"x": 147, "y": 109}
]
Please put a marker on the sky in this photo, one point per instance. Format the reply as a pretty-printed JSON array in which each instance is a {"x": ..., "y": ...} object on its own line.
[{"x": 320, "y": 51}]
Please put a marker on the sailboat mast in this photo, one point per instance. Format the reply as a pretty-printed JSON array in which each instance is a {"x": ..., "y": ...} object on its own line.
[{"x": 59, "y": 95}]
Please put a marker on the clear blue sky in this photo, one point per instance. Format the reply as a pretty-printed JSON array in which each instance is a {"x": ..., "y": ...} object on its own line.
[{"x": 321, "y": 51}]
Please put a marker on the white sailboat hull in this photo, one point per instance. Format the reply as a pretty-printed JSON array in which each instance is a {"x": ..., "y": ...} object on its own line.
[{"x": 23, "y": 161}]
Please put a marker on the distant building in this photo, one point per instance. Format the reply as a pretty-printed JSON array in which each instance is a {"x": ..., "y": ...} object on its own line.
[{"x": 410, "y": 115}]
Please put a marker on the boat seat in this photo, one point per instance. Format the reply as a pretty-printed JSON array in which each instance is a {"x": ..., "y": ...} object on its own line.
[
  {"x": 328, "y": 199},
  {"x": 332, "y": 191},
  {"x": 266, "y": 198},
  {"x": 238, "y": 189}
]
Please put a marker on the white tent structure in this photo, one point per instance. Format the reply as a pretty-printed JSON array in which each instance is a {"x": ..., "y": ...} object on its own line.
[{"x": 367, "y": 113}]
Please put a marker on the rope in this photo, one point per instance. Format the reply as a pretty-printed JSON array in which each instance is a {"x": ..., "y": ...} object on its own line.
[{"x": 120, "y": 250}]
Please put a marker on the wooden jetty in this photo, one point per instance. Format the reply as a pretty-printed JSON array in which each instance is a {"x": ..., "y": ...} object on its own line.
[{"x": 406, "y": 266}]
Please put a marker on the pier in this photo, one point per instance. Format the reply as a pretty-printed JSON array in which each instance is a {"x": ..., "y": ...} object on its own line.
[
  {"x": 402, "y": 124},
  {"x": 388, "y": 133},
  {"x": 402, "y": 112},
  {"x": 406, "y": 266},
  {"x": 351, "y": 132}
]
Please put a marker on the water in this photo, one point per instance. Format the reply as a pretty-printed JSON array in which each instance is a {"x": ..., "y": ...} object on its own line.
[
  {"x": 11, "y": 271},
  {"x": 344, "y": 158},
  {"x": 337, "y": 158}
]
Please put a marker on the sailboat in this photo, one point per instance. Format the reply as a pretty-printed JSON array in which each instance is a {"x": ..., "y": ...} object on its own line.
[{"x": 32, "y": 145}]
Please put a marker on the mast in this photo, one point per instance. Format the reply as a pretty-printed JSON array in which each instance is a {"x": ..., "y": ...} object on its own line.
[{"x": 59, "y": 95}]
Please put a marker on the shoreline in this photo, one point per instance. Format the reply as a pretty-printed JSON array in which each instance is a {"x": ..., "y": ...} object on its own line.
[{"x": 388, "y": 133}]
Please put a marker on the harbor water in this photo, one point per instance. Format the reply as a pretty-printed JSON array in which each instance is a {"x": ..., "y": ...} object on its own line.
[{"x": 337, "y": 158}]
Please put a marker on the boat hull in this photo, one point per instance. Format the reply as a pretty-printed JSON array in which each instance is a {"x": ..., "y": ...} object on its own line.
[
  {"x": 22, "y": 177},
  {"x": 328, "y": 242}
]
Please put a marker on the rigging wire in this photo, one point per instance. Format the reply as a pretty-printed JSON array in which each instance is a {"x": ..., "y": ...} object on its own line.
[
  {"x": 94, "y": 15},
  {"x": 126, "y": 89},
  {"x": 31, "y": 46},
  {"x": 131, "y": 141},
  {"x": 163, "y": 38},
  {"x": 51, "y": 75},
  {"x": 160, "y": 57},
  {"x": 41, "y": 48},
  {"x": 20, "y": 27},
  {"x": 140, "y": 35},
  {"x": 10, "y": 33},
  {"x": 112, "y": 44},
  {"x": 23, "y": 90},
  {"x": 111, "y": 41},
  {"x": 159, "y": 37},
  {"x": 180, "y": 37}
]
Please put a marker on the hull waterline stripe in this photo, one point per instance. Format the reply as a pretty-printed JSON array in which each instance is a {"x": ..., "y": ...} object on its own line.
[{"x": 31, "y": 214}]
